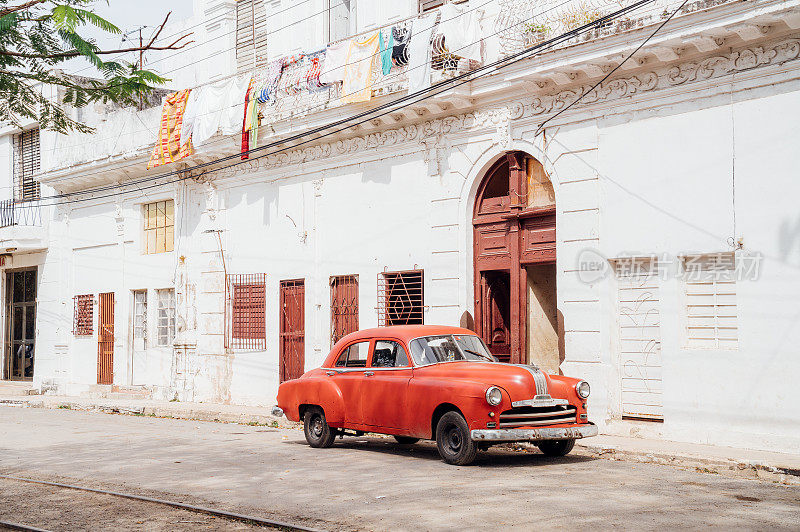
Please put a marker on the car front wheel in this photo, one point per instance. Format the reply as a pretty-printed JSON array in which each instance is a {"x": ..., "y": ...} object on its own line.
[
  {"x": 318, "y": 432},
  {"x": 453, "y": 440},
  {"x": 556, "y": 447}
]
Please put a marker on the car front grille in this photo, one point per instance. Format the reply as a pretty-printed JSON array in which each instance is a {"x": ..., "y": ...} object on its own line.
[{"x": 527, "y": 416}]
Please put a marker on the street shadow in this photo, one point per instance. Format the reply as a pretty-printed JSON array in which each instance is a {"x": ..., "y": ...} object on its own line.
[{"x": 426, "y": 450}]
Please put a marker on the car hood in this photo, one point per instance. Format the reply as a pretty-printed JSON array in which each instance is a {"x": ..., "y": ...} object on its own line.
[{"x": 520, "y": 381}]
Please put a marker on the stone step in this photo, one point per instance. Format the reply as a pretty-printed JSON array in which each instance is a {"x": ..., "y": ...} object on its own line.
[{"x": 13, "y": 388}]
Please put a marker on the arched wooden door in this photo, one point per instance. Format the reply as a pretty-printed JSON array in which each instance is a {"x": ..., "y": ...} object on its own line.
[{"x": 513, "y": 229}]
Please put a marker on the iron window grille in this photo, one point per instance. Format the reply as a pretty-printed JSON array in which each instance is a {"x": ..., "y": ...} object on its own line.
[
  {"x": 83, "y": 317},
  {"x": 344, "y": 306},
  {"x": 165, "y": 324},
  {"x": 27, "y": 163},
  {"x": 400, "y": 298},
  {"x": 246, "y": 311}
]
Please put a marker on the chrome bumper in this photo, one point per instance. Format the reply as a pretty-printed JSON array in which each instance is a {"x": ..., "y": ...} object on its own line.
[
  {"x": 277, "y": 411},
  {"x": 544, "y": 433}
]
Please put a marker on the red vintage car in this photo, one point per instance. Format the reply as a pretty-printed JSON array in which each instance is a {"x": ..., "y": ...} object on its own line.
[{"x": 435, "y": 382}]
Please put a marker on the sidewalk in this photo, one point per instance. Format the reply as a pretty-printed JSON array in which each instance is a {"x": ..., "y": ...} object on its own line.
[{"x": 777, "y": 467}]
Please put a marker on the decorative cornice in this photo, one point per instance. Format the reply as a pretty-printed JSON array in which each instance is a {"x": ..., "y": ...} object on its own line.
[{"x": 428, "y": 135}]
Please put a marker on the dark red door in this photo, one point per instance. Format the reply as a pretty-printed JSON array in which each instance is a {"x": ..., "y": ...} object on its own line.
[
  {"x": 292, "y": 342},
  {"x": 105, "y": 340},
  {"x": 495, "y": 301}
]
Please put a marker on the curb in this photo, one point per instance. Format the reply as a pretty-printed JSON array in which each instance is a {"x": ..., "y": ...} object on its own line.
[{"x": 193, "y": 414}]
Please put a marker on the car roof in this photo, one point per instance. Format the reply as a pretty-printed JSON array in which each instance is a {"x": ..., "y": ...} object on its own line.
[{"x": 405, "y": 332}]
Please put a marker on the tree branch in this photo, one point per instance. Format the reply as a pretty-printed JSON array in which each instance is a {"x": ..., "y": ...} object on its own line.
[{"x": 26, "y": 5}]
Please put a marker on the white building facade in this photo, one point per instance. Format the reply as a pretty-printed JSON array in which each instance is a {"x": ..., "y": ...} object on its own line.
[{"x": 647, "y": 239}]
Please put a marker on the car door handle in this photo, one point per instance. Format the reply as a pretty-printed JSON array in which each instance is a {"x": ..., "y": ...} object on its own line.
[
  {"x": 330, "y": 373},
  {"x": 369, "y": 373}
]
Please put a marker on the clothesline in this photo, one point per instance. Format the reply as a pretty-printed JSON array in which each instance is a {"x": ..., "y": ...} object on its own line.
[{"x": 233, "y": 104}]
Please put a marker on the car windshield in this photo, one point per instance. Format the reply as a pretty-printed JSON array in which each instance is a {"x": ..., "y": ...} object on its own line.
[{"x": 448, "y": 348}]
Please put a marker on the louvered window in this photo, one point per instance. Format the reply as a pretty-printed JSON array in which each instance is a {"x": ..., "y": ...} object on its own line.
[
  {"x": 246, "y": 311},
  {"x": 83, "y": 317},
  {"x": 400, "y": 298},
  {"x": 251, "y": 35},
  {"x": 430, "y": 5},
  {"x": 711, "y": 313},
  {"x": 344, "y": 306},
  {"x": 27, "y": 163}
]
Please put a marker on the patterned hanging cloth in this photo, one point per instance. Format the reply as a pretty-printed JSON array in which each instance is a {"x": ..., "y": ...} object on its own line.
[
  {"x": 168, "y": 147},
  {"x": 245, "y": 129},
  {"x": 357, "y": 85},
  {"x": 387, "y": 48}
]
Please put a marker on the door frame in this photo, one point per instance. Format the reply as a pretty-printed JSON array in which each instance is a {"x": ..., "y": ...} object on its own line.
[{"x": 7, "y": 333}]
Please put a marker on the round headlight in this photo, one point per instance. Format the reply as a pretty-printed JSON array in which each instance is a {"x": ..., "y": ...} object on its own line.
[
  {"x": 583, "y": 389},
  {"x": 494, "y": 396}
]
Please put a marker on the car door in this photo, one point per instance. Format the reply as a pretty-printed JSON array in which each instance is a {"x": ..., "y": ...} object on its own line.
[
  {"x": 384, "y": 390},
  {"x": 348, "y": 374}
]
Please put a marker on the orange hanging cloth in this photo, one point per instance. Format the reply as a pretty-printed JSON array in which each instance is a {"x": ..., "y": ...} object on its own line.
[{"x": 168, "y": 146}]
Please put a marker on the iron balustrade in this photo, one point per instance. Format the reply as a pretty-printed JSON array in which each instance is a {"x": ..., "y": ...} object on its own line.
[{"x": 13, "y": 212}]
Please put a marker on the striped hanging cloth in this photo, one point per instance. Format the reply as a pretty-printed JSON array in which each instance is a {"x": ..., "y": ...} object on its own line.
[
  {"x": 245, "y": 126},
  {"x": 168, "y": 147}
]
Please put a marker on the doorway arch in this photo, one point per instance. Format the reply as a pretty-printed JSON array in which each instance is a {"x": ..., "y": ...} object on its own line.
[{"x": 514, "y": 228}]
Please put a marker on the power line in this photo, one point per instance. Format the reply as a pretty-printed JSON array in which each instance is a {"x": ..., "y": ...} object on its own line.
[{"x": 445, "y": 86}]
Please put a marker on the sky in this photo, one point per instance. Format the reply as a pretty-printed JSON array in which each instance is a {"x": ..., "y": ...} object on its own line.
[{"x": 129, "y": 15}]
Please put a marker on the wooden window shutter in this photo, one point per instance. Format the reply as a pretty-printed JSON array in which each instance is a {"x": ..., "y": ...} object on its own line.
[
  {"x": 27, "y": 163},
  {"x": 251, "y": 35}
]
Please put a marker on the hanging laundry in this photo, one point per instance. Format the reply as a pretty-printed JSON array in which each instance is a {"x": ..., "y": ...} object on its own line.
[
  {"x": 271, "y": 79},
  {"x": 357, "y": 84},
  {"x": 168, "y": 147},
  {"x": 401, "y": 34},
  {"x": 419, "y": 53},
  {"x": 245, "y": 149},
  {"x": 462, "y": 31},
  {"x": 214, "y": 107},
  {"x": 314, "y": 70},
  {"x": 335, "y": 60},
  {"x": 387, "y": 47}
]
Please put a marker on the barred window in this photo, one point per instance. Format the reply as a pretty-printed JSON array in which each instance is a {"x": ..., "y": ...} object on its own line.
[
  {"x": 344, "y": 306},
  {"x": 246, "y": 311},
  {"x": 165, "y": 324},
  {"x": 159, "y": 226},
  {"x": 83, "y": 318},
  {"x": 27, "y": 162},
  {"x": 400, "y": 298},
  {"x": 711, "y": 312}
]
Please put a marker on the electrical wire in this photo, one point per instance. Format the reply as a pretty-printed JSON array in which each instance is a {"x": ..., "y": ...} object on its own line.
[
  {"x": 610, "y": 72},
  {"x": 435, "y": 89},
  {"x": 311, "y": 109}
]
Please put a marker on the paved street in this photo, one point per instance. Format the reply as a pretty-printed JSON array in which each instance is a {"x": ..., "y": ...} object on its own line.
[{"x": 364, "y": 483}]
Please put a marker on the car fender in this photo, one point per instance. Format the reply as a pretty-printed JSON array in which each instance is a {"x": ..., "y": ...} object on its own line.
[
  {"x": 429, "y": 394},
  {"x": 296, "y": 394}
]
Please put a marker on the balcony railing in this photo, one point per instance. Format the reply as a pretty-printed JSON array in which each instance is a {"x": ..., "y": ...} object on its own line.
[{"x": 13, "y": 212}]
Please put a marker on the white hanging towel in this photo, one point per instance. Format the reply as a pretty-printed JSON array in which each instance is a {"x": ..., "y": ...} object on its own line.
[
  {"x": 419, "y": 53},
  {"x": 214, "y": 107},
  {"x": 462, "y": 31},
  {"x": 335, "y": 61}
]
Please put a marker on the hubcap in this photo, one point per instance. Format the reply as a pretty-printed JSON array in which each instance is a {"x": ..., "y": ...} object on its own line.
[
  {"x": 316, "y": 426},
  {"x": 454, "y": 439}
]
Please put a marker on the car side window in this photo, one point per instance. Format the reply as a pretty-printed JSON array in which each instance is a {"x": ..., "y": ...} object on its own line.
[
  {"x": 356, "y": 355},
  {"x": 388, "y": 354}
]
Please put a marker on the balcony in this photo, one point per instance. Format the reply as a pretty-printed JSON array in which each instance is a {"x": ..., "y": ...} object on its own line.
[{"x": 21, "y": 229}]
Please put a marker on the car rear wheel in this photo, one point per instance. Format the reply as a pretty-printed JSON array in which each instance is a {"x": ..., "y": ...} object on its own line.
[
  {"x": 318, "y": 432},
  {"x": 406, "y": 440},
  {"x": 453, "y": 440},
  {"x": 556, "y": 447}
]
